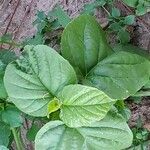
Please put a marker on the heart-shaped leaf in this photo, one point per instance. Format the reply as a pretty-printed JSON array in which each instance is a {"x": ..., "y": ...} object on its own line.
[
  {"x": 83, "y": 44},
  {"x": 120, "y": 75},
  {"x": 111, "y": 133},
  {"x": 82, "y": 105},
  {"x": 34, "y": 79}
]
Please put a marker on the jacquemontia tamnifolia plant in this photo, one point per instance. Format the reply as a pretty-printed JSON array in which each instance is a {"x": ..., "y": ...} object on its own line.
[{"x": 82, "y": 85}]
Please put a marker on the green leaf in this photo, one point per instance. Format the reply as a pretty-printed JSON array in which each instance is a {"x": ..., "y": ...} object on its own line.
[
  {"x": 31, "y": 133},
  {"x": 12, "y": 116},
  {"x": 132, "y": 49},
  {"x": 115, "y": 12},
  {"x": 83, "y": 44},
  {"x": 131, "y": 3},
  {"x": 89, "y": 8},
  {"x": 3, "y": 93},
  {"x": 62, "y": 17},
  {"x": 82, "y": 105},
  {"x": 6, "y": 56},
  {"x": 111, "y": 133},
  {"x": 120, "y": 75},
  {"x": 5, "y": 38},
  {"x": 3, "y": 147},
  {"x": 147, "y": 85},
  {"x": 115, "y": 26},
  {"x": 129, "y": 20},
  {"x": 41, "y": 15},
  {"x": 34, "y": 79},
  {"x": 124, "y": 36},
  {"x": 53, "y": 106},
  {"x": 37, "y": 39},
  {"x": 141, "y": 10},
  {"x": 41, "y": 26},
  {"x": 4, "y": 134}
]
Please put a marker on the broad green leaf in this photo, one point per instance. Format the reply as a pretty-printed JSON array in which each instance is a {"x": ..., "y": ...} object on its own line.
[
  {"x": 34, "y": 79},
  {"x": 147, "y": 85},
  {"x": 131, "y": 3},
  {"x": 12, "y": 116},
  {"x": 111, "y": 133},
  {"x": 84, "y": 44},
  {"x": 120, "y": 75},
  {"x": 4, "y": 134},
  {"x": 2, "y": 147},
  {"x": 82, "y": 105},
  {"x": 132, "y": 49}
]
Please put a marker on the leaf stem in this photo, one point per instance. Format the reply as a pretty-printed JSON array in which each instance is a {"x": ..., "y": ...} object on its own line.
[
  {"x": 142, "y": 93},
  {"x": 17, "y": 139},
  {"x": 106, "y": 11}
]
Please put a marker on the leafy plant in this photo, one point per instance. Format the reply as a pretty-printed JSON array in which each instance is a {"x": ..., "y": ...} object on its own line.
[
  {"x": 47, "y": 23},
  {"x": 140, "y": 136},
  {"x": 141, "y": 6},
  {"x": 10, "y": 116},
  {"x": 117, "y": 24},
  {"x": 80, "y": 88}
]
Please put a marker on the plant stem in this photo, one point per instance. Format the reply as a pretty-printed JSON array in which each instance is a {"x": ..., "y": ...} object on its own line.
[
  {"x": 106, "y": 11},
  {"x": 17, "y": 139}
]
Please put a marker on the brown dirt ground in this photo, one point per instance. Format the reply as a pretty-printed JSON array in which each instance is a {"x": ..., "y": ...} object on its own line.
[{"x": 19, "y": 23}]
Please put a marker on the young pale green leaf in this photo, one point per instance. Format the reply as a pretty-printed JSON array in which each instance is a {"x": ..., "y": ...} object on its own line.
[
  {"x": 12, "y": 117},
  {"x": 82, "y": 105},
  {"x": 83, "y": 44},
  {"x": 53, "y": 106},
  {"x": 2, "y": 147},
  {"x": 111, "y": 133},
  {"x": 120, "y": 75},
  {"x": 4, "y": 134},
  {"x": 34, "y": 79}
]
